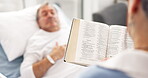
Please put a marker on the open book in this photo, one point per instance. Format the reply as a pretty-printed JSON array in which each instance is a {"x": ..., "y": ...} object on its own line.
[{"x": 90, "y": 42}]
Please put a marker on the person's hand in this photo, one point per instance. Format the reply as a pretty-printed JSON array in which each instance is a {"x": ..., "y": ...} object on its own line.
[
  {"x": 105, "y": 59},
  {"x": 58, "y": 52}
]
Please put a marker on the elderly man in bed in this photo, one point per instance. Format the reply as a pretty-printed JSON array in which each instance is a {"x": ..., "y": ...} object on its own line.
[{"x": 41, "y": 56}]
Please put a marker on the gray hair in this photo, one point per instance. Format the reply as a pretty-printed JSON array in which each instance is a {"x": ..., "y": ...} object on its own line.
[{"x": 37, "y": 17}]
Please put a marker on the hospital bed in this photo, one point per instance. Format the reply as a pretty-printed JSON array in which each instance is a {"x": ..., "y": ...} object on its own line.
[{"x": 11, "y": 69}]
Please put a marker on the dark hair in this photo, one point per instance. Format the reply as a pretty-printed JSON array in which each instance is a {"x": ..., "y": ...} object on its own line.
[
  {"x": 37, "y": 15},
  {"x": 145, "y": 6}
]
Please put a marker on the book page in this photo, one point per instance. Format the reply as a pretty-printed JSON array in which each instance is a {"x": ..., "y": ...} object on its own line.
[
  {"x": 92, "y": 42},
  {"x": 116, "y": 41},
  {"x": 129, "y": 44}
]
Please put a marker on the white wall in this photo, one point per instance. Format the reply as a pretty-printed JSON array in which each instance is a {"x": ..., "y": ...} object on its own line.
[
  {"x": 10, "y": 5},
  {"x": 91, "y": 6},
  {"x": 71, "y": 7}
]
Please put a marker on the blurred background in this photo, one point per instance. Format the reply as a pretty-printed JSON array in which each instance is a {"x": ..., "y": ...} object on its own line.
[{"x": 106, "y": 11}]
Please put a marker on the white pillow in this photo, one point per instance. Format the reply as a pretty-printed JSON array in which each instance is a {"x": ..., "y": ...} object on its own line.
[
  {"x": 64, "y": 21},
  {"x": 17, "y": 27}
]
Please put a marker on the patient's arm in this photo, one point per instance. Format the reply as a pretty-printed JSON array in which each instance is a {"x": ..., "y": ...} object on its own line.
[{"x": 41, "y": 67}]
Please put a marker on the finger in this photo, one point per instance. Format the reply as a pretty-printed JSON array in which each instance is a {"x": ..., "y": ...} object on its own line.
[
  {"x": 64, "y": 45},
  {"x": 62, "y": 48},
  {"x": 105, "y": 59},
  {"x": 57, "y": 44}
]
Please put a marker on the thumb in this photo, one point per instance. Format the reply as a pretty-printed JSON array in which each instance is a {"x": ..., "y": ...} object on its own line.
[{"x": 57, "y": 44}]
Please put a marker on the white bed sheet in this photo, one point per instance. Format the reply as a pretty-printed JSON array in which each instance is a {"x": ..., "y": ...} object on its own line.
[{"x": 64, "y": 70}]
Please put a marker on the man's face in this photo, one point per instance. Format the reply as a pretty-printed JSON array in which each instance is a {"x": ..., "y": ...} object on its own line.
[
  {"x": 137, "y": 21},
  {"x": 48, "y": 19}
]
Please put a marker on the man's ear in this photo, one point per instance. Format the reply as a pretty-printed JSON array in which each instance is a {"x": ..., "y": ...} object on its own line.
[{"x": 135, "y": 6}]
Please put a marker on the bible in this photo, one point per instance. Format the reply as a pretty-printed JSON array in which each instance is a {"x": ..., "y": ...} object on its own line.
[{"x": 90, "y": 42}]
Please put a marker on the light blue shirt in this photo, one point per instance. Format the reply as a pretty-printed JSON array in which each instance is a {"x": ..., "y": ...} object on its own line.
[{"x": 100, "y": 72}]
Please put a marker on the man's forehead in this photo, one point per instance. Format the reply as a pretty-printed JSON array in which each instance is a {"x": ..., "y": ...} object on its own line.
[{"x": 47, "y": 7}]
